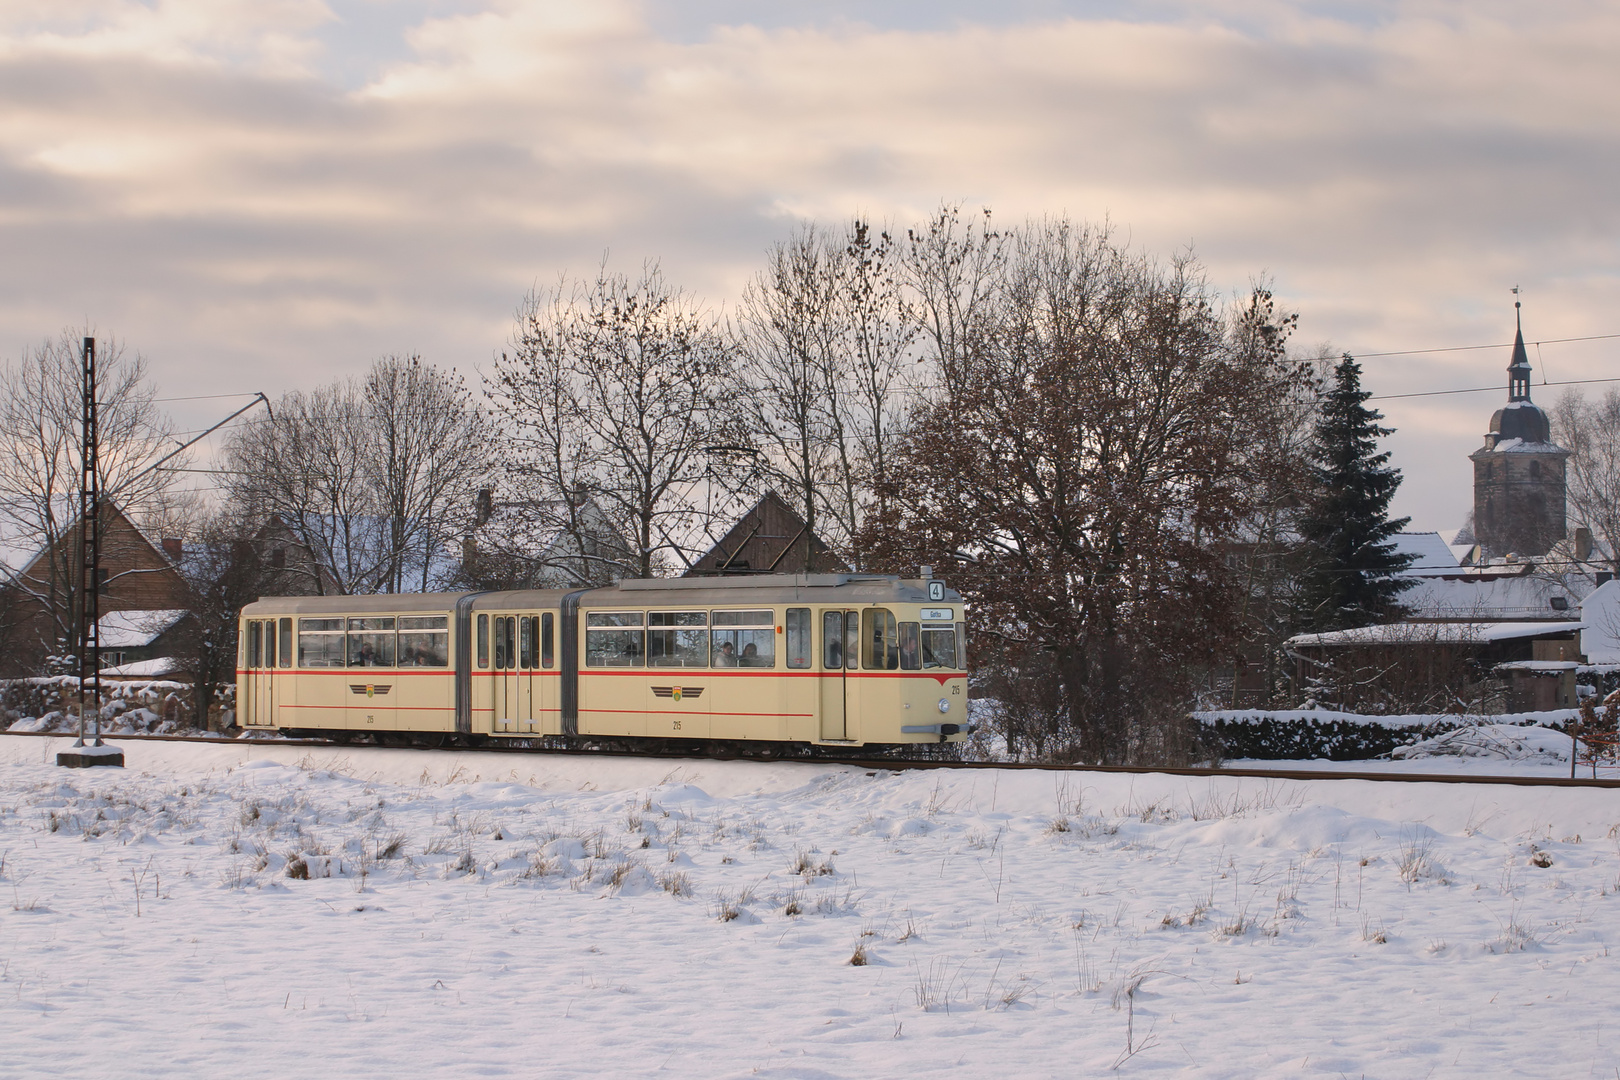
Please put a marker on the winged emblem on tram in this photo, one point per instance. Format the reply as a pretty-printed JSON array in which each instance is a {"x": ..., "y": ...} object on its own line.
[
  {"x": 372, "y": 689},
  {"x": 675, "y": 693}
]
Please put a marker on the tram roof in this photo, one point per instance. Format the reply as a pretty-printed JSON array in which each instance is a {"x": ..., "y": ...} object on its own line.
[{"x": 642, "y": 593}]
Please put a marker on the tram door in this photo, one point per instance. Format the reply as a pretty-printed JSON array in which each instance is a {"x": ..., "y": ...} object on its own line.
[
  {"x": 261, "y": 660},
  {"x": 840, "y": 652},
  {"x": 516, "y": 658}
]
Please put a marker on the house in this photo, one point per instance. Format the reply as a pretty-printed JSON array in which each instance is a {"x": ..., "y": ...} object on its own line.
[
  {"x": 1438, "y": 666},
  {"x": 39, "y": 594},
  {"x": 771, "y": 538}
]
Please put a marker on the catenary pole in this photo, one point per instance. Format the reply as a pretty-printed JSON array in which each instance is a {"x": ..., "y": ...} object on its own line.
[{"x": 89, "y": 552}]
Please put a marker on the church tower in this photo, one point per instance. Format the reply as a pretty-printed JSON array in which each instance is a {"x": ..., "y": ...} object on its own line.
[{"x": 1519, "y": 473}]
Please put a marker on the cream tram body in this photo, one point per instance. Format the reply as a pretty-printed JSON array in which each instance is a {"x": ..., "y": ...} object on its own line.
[{"x": 822, "y": 658}]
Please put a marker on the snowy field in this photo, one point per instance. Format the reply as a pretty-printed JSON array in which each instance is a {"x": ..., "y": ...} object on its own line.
[{"x": 248, "y": 910}]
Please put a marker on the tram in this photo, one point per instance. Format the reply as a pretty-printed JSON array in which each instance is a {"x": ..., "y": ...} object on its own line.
[{"x": 822, "y": 659}]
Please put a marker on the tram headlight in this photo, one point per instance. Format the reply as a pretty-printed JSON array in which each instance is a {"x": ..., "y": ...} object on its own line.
[{"x": 944, "y": 704}]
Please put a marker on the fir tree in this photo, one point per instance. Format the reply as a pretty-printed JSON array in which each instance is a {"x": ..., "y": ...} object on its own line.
[{"x": 1352, "y": 566}]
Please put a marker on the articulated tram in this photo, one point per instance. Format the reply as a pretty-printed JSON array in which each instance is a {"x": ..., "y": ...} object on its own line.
[{"x": 829, "y": 659}]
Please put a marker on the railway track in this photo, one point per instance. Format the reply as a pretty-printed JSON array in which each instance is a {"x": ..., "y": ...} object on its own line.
[{"x": 904, "y": 764}]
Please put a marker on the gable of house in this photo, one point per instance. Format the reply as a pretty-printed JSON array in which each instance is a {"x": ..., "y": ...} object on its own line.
[{"x": 771, "y": 538}]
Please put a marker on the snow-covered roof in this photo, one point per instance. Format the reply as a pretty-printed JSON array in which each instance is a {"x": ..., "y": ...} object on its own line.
[
  {"x": 1430, "y": 552},
  {"x": 1525, "y": 446},
  {"x": 133, "y": 629},
  {"x": 1600, "y": 612},
  {"x": 1438, "y": 633},
  {"x": 155, "y": 668},
  {"x": 1493, "y": 593}
]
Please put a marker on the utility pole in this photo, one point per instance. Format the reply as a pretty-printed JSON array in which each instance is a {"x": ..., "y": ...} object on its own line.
[{"x": 82, "y": 756}]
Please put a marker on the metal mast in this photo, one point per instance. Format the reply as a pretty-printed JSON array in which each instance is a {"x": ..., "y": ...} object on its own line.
[{"x": 90, "y": 553}]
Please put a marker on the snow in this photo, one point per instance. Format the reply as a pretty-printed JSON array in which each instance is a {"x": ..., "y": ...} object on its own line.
[
  {"x": 1429, "y": 552},
  {"x": 1600, "y": 612},
  {"x": 1425, "y": 633},
  {"x": 553, "y": 916},
  {"x": 1501, "y": 741},
  {"x": 156, "y": 668},
  {"x": 135, "y": 628}
]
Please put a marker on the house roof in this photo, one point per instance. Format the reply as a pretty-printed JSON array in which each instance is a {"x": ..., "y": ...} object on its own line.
[
  {"x": 1489, "y": 594},
  {"x": 1429, "y": 550},
  {"x": 155, "y": 668},
  {"x": 1438, "y": 633},
  {"x": 771, "y": 538},
  {"x": 134, "y": 629}
]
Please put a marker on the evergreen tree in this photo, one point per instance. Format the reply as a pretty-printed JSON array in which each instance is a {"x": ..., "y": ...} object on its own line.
[{"x": 1351, "y": 575}]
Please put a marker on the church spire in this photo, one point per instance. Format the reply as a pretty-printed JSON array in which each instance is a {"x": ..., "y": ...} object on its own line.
[{"x": 1519, "y": 366}]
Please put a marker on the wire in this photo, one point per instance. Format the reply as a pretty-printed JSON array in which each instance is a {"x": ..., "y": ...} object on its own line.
[
  {"x": 1472, "y": 348},
  {"x": 1486, "y": 389},
  {"x": 202, "y": 397}
]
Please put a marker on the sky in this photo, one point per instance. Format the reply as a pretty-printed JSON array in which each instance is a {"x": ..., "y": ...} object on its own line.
[{"x": 268, "y": 194}]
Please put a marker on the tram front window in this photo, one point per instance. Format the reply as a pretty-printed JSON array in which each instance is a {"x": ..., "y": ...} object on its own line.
[{"x": 938, "y": 647}]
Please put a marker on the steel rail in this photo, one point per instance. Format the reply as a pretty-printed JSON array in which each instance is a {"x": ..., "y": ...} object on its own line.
[{"x": 875, "y": 764}]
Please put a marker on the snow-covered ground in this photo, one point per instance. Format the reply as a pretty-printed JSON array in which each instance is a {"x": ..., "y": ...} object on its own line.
[{"x": 472, "y": 914}]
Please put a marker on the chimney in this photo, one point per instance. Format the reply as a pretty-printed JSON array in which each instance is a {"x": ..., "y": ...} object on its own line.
[
  {"x": 174, "y": 548},
  {"x": 484, "y": 506}
]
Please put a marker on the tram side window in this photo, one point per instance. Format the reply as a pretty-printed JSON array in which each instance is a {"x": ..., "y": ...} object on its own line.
[
  {"x": 614, "y": 639},
  {"x": 505, "y": 642},
  {"x": 852, "y": 639},
  {"x": 483, "y": 641},
  {"x": 678, "y": 639},
  {"x": 270, "y": 643},
  {"x": 371, "y": 641},
  {"x": 424, "y": 641},
  {"x": 798, "y": 643},
  {"x": 832, "y": 640},
  {"x": 735, "y": 646},
  {"x": 879, "y": 640},
  {"x": 528, "y": 647},
  {"x": 548, "y": 639},
  {"x": 320, "y": 643},
  {"x": 910, "y": 647},
  {"x": 286, "y": 643},
  {"x": 253, "y": 654},
  {"x": 961, "y": 646}
]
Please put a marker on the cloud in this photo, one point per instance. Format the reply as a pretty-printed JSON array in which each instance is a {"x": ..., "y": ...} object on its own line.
[{"x": 184, "y": 174}]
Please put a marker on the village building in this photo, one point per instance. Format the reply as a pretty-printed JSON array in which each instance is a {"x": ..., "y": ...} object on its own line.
[
  {"x": 1496, "y": 616},
  {"x": 39, "y": 596},
  {"x": 770, "y": 538}
]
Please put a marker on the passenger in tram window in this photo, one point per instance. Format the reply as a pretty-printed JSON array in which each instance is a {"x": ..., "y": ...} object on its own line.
[
  {"x": 727, "y": 657},
  {"x": 750, "y": 655},
  {"x": 367, "y": 657}
]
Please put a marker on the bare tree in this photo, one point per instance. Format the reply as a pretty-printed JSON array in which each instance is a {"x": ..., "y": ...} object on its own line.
[
  {"x": 1089, "y": 453},
  {"x": 953, "y": 269},
  {"x": 826, "y": 335},
  {"x": 41, "y": 471},
  {"x": 369, "y": 479},
  {"x": 787, "y": 328},
  {"x": 1590, "y": 431},
  {"x": 432, "y": 450},
  {"x": 615, "y": 387}
]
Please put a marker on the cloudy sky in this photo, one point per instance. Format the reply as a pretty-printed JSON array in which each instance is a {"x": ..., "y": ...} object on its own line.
[{"x": 263, "y": 194}]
